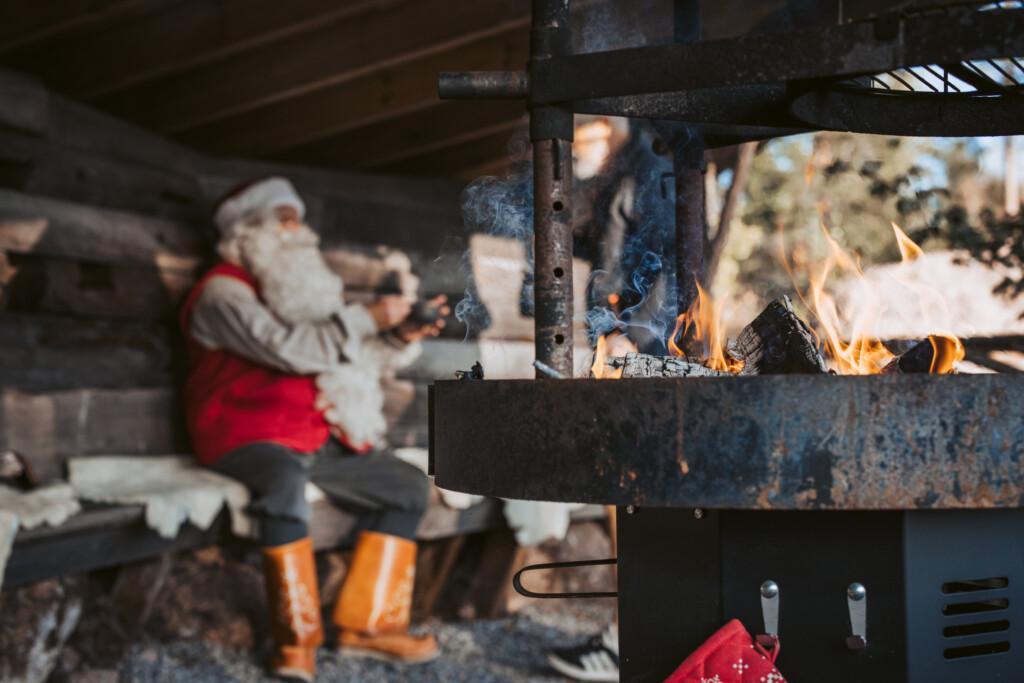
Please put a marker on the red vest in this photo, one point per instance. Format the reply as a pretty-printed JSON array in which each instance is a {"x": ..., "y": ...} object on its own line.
[{"x": 231, "y": 401}]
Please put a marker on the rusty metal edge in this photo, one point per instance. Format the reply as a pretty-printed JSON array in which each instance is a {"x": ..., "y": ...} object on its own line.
[{"x": 773, "y": 442}]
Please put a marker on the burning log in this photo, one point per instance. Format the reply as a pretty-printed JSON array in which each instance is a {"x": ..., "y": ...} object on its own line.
[
  {"x": 644, "y": 365},
  {"x": 778, "y": 342},
  {"x": 937, "y": 354}
]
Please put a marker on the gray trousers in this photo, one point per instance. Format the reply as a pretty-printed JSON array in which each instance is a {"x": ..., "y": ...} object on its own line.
[{"x": 387, "y": 494}]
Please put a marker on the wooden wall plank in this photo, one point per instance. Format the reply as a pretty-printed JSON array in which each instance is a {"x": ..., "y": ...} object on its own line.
[
  {"x": 48, "y": 227},
  {"x": 29, "y": 106},
  {"x": 49, "y": 352},
  {"x": 311, "y": 60},
  {"x": 48, "y": 428},
  {"x": 38, "y": 165}
]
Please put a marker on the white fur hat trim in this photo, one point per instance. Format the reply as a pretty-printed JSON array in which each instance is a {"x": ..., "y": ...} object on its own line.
[{"x": 268, "y": 193}]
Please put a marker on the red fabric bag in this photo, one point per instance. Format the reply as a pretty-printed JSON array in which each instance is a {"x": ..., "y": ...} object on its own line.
[{"x": 729, "y": 656}]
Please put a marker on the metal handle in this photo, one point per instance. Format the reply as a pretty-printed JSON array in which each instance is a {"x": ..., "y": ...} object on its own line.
[
  {"x": 517, "y": 582},
  {"x": 857, "y": 604},
  {"x": 770, "y": 607}
]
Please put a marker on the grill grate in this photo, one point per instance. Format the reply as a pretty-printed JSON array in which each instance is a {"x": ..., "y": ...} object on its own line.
[{"x": 991, "y": 77}]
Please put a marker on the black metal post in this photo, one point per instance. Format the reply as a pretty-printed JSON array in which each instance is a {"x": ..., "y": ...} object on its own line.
[
  {"x": 688, "y": 166},
  {"x": 551, "y": 131}
]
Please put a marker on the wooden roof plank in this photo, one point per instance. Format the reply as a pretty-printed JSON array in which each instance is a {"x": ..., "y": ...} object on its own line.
[
  {"x": 28, "y": 22},
  {"x": 410, "y": 135},
  {"x": 379, "y": 96},
  {"x": 177, "y": 37},
  {"x": 490, "y": 146},
  {"x": 312, "y": 60}
]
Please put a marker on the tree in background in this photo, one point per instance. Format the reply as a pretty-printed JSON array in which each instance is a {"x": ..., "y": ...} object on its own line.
[{"x": 856, "y": 185}]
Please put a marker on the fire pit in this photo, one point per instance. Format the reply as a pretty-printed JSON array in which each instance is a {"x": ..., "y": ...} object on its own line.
[
  {"x": 871, "y": 522},
  {"x": 815, "y": 483}
]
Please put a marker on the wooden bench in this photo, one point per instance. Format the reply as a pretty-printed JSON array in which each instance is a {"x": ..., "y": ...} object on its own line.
[{"x": 108, "y": 536}]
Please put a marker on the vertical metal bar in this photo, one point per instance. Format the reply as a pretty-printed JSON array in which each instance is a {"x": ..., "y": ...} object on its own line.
[
  {"x": 551, "y": 130},
  {"x": 688, "y": 165}
]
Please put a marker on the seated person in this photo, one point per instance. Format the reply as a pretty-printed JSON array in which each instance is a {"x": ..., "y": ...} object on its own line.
[{"x": 283, "y": 389}]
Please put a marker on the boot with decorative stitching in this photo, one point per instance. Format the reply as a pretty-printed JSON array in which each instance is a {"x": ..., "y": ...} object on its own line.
[
  {"x": 373, "y": 610},
  {"x": 294, "y": 602}
]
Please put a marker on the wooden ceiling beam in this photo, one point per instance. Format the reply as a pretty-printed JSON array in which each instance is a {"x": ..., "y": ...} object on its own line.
[
  {"x": 176, "y": 37},
  {"x": 27, "y": 22},
  {"x": 400, "y": 90},
  {"x": 416, "y": 133},
  {"x": 498, "y": 167},
  {"x": 312, "y": 60},
  {"x": 506, "y": 143}
]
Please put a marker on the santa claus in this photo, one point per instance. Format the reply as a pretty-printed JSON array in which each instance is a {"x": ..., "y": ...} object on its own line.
[{"x": 284, "y": 390}]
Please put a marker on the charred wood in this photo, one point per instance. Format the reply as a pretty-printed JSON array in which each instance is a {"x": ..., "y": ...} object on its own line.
[
  {"x": 916, "y": 360},
  {"x": 644, "y": 365},
  {"x": 934, "y": 354},
  {"x": 778, "y": 342}
]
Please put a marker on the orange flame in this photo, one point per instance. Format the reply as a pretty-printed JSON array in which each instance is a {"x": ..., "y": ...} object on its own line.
[
  {"x": 703, "y": 324},
  {"x": 947, "y": 351},
  {"x": 849, "y": 337},
  {"x": 908, "y": 250},
  {"x": 613, "y": 345},
  {"x": 864, "y": 353}
]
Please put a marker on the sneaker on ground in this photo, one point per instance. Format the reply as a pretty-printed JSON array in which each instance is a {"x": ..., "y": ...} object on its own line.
[{"x": 595, "y": 660}]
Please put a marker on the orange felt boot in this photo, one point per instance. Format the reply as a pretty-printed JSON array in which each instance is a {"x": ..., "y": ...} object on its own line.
[
  {"x": 373, "y": 608},
  {"x": 294, "y": 603}
]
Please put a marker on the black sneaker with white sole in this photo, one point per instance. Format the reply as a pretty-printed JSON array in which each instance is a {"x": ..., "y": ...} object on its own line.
[{"x": 595, "y": 660}]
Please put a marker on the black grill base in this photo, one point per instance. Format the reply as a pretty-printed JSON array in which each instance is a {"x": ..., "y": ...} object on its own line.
[{"x": 683, "y": 575}]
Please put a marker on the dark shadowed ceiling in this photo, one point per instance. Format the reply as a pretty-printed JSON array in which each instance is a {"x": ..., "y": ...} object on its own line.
[{"x": 348, "y": 84}]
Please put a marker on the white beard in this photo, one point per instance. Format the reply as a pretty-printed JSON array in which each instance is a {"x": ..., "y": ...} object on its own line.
[
  {"x": 295, "y": 282},
  {"x": 298, "y": 286}
]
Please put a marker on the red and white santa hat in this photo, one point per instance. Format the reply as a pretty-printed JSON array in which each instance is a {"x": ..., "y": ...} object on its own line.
[{"x": 262, "y": 194}]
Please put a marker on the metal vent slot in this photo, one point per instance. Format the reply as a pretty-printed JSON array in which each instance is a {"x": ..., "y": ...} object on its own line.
[
  {"x": 976, "y": 650},
  {"x": 976, "y": 629},
  {"x": 975, "y": 607},
  {"x": 973, "y": 585}
]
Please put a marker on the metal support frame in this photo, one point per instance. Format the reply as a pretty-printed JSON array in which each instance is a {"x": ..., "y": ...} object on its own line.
[
  {"x": 551, "y": 131},
  {"x": 688, "y": 165},
  {"x": 750, "y": 87},
  {"x": 891, "y": 41},
  {"x": 769, "y": 84}
]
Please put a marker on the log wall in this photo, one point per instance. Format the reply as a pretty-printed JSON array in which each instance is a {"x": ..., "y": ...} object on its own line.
[{"x": 104, "y": 227}]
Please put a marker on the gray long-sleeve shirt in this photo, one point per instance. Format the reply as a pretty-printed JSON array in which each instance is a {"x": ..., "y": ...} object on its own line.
[{"x": 230, "y": 316}]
